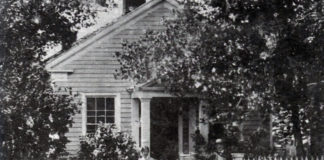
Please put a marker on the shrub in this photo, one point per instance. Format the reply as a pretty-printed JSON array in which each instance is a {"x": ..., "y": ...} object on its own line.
[{"x": 106, "y": 143}]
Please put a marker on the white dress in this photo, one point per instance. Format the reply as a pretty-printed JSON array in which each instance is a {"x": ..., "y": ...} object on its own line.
[{"x": 147, "y": 158}]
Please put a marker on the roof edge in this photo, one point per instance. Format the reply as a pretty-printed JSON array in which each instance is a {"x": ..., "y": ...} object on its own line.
[{"x": 58, "y": 58}]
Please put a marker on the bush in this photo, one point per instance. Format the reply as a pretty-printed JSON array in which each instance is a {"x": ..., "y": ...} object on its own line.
[
  {"x": 254, "y": 145},
  {"x": 108, "y": 144}
]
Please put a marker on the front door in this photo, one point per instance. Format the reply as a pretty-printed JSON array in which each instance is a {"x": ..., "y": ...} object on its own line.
[
  {"x": 164, "y": 129},
  {"x": 173, "y": 121}
]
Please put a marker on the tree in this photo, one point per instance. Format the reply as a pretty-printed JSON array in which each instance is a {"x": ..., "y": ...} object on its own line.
[
  {"x": 33, "y": 118},
  {"x": 242, "y": 56}
]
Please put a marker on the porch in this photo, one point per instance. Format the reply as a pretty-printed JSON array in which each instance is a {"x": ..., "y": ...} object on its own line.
[{"x": 186, "y": 113}]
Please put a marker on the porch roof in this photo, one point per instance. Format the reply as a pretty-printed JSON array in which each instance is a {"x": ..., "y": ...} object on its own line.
[{"x": 154, "y": 88}]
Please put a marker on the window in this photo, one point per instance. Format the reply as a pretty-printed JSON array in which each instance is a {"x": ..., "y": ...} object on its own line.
[
  {"x": 132, "y": 4},
  {"x": 99, "y": 110}
]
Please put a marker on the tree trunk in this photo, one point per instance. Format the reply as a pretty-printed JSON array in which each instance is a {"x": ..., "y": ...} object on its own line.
[
  {"x": 316, "y": 127},
  {"x": 297, "y": 132}
]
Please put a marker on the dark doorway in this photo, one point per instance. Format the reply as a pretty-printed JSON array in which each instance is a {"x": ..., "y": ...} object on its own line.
[{"x": 164, "y": 128}]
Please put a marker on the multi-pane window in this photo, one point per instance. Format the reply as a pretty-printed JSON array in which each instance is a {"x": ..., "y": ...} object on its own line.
[{"x": 99, "y": 110}]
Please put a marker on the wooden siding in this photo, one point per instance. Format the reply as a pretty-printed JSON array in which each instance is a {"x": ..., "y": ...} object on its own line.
[{"x": 93, "y": 71}]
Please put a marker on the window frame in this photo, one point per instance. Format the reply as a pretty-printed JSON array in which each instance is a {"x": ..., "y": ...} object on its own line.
[{"x": 117, "y": 107}]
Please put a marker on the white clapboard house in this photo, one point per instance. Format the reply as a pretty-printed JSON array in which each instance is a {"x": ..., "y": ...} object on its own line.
[{"x": 89, "y": 67}]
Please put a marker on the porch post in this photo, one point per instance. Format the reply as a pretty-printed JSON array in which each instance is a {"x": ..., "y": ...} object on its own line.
[
  {"x": 193, "y": 115},
  {"x": 180, "y": 133},
  {"x": 136, "y": 121},
  {"x": 203, "y": 127},
  {"x": 145, "y": 122}
]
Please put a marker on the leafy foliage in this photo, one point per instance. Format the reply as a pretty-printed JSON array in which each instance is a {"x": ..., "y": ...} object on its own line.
[
  {"x": 108, "y": 144},
  {"x": 200, "y": 148},
  {"x": 255, "y": 145},
  {"x": 33, "y": 118},
  {"x": 242, "y": 56}
]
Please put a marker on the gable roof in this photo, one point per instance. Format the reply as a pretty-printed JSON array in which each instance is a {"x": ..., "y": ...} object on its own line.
[
  {"x": 87, "y": 41},
  {"x": 151, "y": 85}
]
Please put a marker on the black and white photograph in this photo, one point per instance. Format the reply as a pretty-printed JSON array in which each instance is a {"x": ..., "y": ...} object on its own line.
[{"x": 161, "y": 79}]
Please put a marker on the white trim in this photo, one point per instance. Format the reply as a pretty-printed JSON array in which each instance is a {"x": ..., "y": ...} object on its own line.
[
  {"x": 145, "y": 122},
  {"x": 116, "y": 97},
  {"x": 60, "y": 71},
  {"x": 186, "y": 156},
  {"x": 135, "y": 103},
  {"x": 180, "y": 133},
  {"x": 203, "y": 127}
]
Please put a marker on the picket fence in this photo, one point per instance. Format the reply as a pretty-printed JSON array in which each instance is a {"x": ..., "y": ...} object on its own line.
[{"x": 278, "y": 158}]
